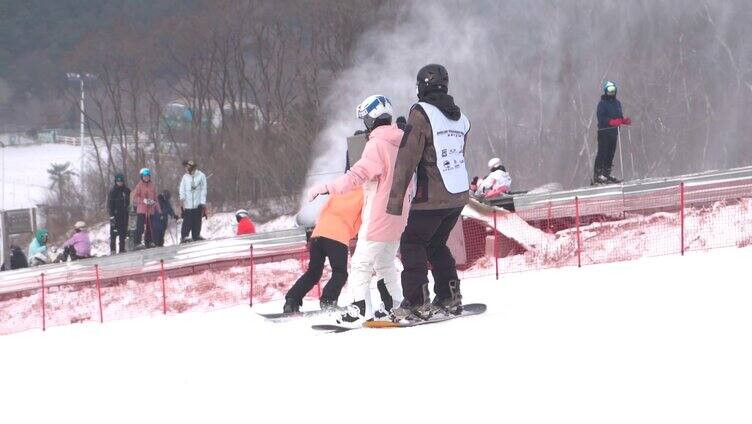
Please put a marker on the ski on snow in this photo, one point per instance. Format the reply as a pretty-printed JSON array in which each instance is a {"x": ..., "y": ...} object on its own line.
[{"x": 467, "y": 310}]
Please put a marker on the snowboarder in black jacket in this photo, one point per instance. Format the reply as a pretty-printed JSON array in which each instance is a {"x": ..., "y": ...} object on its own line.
[
  {"x": 610, "y": 118},
  {"x": 118, "y": 201}
]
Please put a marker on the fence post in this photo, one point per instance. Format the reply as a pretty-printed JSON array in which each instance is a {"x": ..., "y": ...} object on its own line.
[
  {"x": 577, "y": 223},
  {"x": 99, "y": 294},
  {"x": 681, "y": 214},
  {"x": 250, "y": 275},
  {"x": 495, "y": 245},
  {"x": 44, "y": 322},
  {"x": 164, "y": 289}
]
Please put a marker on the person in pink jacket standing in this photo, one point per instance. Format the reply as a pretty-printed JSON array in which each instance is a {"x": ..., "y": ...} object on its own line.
[
  {"x": 147, "y": 206},
  {"x": 379, "y": 235}
]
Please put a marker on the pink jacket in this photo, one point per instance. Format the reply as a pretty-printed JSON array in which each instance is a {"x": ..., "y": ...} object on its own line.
[
  {"x": 143, "y": 191},
  {"x": 375, "y": 172},
  {"x": 80, "y": 241}
]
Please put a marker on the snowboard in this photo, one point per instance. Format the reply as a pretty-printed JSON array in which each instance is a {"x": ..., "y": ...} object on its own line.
[
  {"x": 282, "y": 317},
  {"x": 467, "y": 310}
]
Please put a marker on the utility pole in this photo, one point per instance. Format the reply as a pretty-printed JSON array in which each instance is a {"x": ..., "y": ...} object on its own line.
[{"x": 72, "y": 76}]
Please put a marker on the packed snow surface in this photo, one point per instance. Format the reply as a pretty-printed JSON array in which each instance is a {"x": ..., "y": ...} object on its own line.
[{"x": 655, "y": 340}]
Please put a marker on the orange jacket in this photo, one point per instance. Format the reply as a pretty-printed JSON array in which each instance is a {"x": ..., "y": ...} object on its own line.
[{"x": 340, "y": 218}]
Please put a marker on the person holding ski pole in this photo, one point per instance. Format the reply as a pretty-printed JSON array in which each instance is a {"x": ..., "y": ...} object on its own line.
[
  {"x": 610, "y": 118},
  {"x": 193, "y": 201},
  {"x": 147, "y": 205}
]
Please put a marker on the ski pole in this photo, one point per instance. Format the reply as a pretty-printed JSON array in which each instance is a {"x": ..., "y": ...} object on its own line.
[{"x": 621, "y": 157}]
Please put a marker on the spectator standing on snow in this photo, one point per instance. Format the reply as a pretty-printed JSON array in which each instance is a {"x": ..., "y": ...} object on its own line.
[
  {"x": 610, "y": 118},
  {"x": 193, "y": 201},
  {"x": 147, "y": 206},
  {"x": 118, "y": 202},
  {"x": 167, "y": 213}
]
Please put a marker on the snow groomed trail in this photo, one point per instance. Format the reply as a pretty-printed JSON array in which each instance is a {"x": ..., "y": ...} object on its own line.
[{"x": 655, "y": 340}]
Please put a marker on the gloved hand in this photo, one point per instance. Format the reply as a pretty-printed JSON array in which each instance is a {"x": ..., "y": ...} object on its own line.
[
  {"x": 626, "y": 121},
  {"x": 474, "y": 184},
  {"x": 203, "y": 211},
  {"x": 316, "y": 190},
  {"x": 615, "y": 122}
]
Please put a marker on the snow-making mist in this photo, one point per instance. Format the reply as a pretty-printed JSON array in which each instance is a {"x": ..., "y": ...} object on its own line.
[{"x": 528, "y": 75}]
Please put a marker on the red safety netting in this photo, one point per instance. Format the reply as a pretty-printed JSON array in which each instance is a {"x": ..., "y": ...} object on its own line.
[{"x": 568, "y": 232}]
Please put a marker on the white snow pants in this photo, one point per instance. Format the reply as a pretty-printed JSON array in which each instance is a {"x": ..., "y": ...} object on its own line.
[{"x": 373, "y": 256}]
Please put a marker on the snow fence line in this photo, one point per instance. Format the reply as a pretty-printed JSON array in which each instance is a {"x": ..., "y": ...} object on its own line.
[{"x": 249, "y": 269}]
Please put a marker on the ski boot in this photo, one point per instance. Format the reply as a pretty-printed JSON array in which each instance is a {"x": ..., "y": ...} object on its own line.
[
  {"x": 452, "y": 304},
  {"x": 355, "y": 315},
  {"x": 327, "y": 304},
  {"x": 406, "y": 312},
  {"x": 610, "y": 179},
  {"x": 292, "y": 306},
  {"x": 382, "y": 314}
]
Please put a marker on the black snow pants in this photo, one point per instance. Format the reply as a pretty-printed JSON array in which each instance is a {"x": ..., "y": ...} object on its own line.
[
  {"x": 144, "y": 225},
  {"x": 118, "y": 233},
  {"x": 604, "y": 159},
  {"x": 320, "y": 249},
  {"x": 423, "y": 241},
  {"x": 192, "y": 223}
]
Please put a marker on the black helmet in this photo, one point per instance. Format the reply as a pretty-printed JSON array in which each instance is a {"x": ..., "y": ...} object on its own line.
[
  {"x": 432, "y": 77},
  {"x": 119, "y": 178}
]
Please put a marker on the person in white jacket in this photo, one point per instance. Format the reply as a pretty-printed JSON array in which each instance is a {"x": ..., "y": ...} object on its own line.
[
  {"x": 192, "y": 201},
  {"x": 496, "y": 183}
]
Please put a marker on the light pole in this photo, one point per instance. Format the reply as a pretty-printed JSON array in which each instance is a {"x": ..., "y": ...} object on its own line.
[{"x": 72, "y": 76}]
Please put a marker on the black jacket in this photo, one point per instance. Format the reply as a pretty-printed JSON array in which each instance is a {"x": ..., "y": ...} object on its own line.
[
  {"x": 166, "y": 206},
  {"x": 608, "y": 108},
  {"x": 17, "y": 259},
  {"x": 118, "y": 202}
]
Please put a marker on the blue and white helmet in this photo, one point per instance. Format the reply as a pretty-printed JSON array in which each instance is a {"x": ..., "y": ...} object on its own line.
[
  {"x": 609, "y": 87},
  {"x": 145, "y": 172},
  {"x": 373, "y": 108}
]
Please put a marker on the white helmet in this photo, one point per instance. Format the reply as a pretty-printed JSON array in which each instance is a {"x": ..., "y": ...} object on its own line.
[
  {"x": 79, "y": 225},
  {"x": 373, "y": 108},
  {"x": 241, "y": 213},
  {"x": 493, "y": 163}
]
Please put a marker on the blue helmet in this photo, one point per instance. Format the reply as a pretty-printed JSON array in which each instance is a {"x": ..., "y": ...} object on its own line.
[
  {"x": 145, "y": 172},
  {"x": 609, "y": 87}
]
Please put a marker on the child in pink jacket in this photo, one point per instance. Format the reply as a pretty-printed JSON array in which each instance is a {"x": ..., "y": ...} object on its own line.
[{"x": 379, "y": 235}]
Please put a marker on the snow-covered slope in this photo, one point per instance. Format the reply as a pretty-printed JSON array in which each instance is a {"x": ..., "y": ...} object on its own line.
[
  {"x": 26, "y": 179},
  {"x": 218, "y": 225},
  {"x": 651, "y": 341}
]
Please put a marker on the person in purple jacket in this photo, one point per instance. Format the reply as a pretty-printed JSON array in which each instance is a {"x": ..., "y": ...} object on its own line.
[{"x": 79, "y": 245}]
